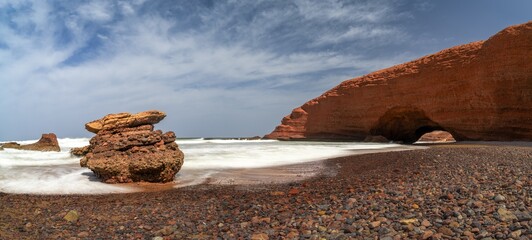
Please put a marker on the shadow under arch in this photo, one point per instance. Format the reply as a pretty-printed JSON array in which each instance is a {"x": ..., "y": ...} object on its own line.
[{"x": 405, "y": 124}]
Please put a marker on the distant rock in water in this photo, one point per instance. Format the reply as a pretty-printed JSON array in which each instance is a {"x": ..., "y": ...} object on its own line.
[
  {"x": 477, "y": 91},
  {"x": 47, "y": 143},
  {"x": 127, "y": 149}
]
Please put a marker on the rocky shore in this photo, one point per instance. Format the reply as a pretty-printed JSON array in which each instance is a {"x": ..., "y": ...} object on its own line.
[{"x": 444, "y": 192}]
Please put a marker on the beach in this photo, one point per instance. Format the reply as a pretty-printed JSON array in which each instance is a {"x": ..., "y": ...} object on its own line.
[{"x": 467, "y": 191}]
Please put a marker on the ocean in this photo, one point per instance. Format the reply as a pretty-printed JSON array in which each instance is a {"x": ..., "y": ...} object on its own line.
[{"x": 35, "y": 172}]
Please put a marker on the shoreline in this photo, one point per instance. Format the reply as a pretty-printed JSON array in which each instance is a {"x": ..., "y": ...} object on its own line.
[
  {"x": 439, "y": 192},
  {"x": 295, "y": 172},
  {"x": 283, "y": 174}
]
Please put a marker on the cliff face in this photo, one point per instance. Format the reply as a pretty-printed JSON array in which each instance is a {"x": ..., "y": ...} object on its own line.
[{"x": 477, "y": 91}]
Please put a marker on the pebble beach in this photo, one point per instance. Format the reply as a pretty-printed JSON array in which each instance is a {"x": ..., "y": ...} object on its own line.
[{"x": 450, "y": 191}]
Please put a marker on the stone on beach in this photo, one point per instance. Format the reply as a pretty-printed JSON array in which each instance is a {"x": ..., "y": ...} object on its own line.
[
  {"x": 326, "y": 206},
  {"x": 47, "y": 143},
  {"x": 127, "y": 149},
  {"x": 71, "y": 216},
  {"x": 437, "y": 136}
]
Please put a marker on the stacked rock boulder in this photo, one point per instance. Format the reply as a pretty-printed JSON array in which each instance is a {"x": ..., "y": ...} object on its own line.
[{"x": 127, "y": 149}]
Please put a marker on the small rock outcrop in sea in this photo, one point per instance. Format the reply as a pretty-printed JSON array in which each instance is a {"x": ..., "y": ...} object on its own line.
[
  {"x": 477, "y": 91},
  {"x": 81, "y": 151},
  {"x": 47, "y": 143},
  {"x": 127, "y": 149}
]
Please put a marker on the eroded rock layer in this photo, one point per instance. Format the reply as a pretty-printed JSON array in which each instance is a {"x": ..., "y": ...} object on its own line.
[
  {"x": 127, "y": 149},
  {"x": 477, "y": 91}
]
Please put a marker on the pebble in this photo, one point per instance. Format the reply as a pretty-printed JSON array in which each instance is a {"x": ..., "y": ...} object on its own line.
[
  {"x": 167, "y": 230},
  {"x": 505, "y": 215},
  {"x": 427, "y": 234},
  {"x": 277, "y": 193},
  {"x": 425, "y": 223},
  {"x": 293, "y": 191},
  {"x": 375, "y": 224},
  {"x": 292, "y": 234},
  {"x": 445, "y": 231},
  {"x": 71, "y": 216},
  {"x": 259, "y": 236},
  {"x": 383, "y": 205},
  {"x": 516, "y": 234},
  {"x": 408, "y": 221},
  {"x": 454, "y": 224},
  {"x": 523, "y": 216},
  {"x": 499, "y": 198}
]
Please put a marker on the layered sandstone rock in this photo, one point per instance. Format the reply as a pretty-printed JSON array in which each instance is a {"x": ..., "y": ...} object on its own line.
[
  {"x": 47, "y": 143},
  {"x": 127, "y": 149},
  {"x": 477, "y": 91},
  {"x": 121, "y": 120}
]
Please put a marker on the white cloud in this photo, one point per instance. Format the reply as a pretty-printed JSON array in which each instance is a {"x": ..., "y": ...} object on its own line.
[
  {"x": 225, "y": 71},
  {"x": 364, "y": 32},
  {"x": 327, "y": 10},
  {"x": 98, "y": 11},
  {"x": 126, "y": 8}
]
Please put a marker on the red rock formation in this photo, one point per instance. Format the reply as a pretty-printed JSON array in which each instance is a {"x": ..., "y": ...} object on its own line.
[
  {"x": 47, "y": 143},
  {"x": 119, "y": 120},
  {"x": 477, "y": 91},
  {"x": 437, "y": 136},
  {"x": 126, "y": 149}
]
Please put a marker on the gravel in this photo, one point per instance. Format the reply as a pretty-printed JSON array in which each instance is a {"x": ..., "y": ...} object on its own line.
[{"x": 454, "y": 191}]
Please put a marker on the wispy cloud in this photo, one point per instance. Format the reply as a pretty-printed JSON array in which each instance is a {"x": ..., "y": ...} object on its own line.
[
  {"x": 207, "y": 65},
  {"x": 97, "y": 11}
]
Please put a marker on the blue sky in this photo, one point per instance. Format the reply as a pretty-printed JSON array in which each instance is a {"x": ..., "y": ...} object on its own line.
[{"x": 217, "y": 68}]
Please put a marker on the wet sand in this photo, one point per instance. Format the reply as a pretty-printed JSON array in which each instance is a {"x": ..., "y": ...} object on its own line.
[
  {"x": 445, "y": 191},
  {"x": 259, "y": 176}
]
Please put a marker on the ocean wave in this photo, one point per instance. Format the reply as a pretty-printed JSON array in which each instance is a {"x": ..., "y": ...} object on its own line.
[{"x": 59, "y": 173}]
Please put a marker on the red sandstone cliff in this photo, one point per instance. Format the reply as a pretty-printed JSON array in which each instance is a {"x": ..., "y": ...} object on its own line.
[{"x": 477, "y": 91}]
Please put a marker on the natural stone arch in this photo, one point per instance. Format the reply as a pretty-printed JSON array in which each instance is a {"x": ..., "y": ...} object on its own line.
[{"x": 406, "y": 124}]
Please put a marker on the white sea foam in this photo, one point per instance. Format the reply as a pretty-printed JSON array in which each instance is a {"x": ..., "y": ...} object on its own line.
[{"x": 59, "y": 172}]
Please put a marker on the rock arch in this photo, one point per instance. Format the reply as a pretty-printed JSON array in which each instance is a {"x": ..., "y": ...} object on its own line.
[
  {"x": 476, "y": 91},
  {"x": 406, "y": 124}
]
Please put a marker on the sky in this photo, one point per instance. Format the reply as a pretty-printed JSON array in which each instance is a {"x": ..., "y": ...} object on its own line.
[{"x": 217, "y": 68}]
